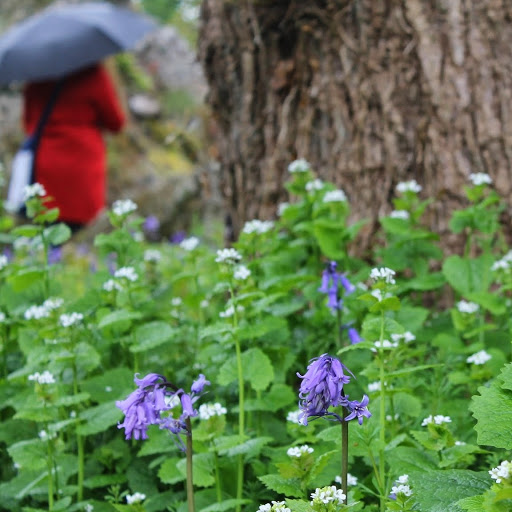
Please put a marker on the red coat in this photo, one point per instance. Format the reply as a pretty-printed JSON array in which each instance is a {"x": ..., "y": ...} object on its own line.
[{"x": 71, "y": 159}]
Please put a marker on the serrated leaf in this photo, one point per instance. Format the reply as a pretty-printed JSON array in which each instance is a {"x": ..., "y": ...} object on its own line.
[
  {"x": 321, "y": 462},
  {"x": 281, "y": 485},
  {"x": 111, "y": 384},
  {"x": 97, "y": 481},
  {"x": 472, "y": 504},
  {"x": 169, "y": 472},
  {"x": 250, "y": 448},
  {"x": 299, "y": 505},
  {"x": 98, "y": 419},
  {"x": 151, "y": 335},
  {"x": 278, "y": 397},
  {"x": 57, "y": 234},
  {"x": 118, "y": 318},
  {"x": 29, "y": 455},
  {"x": 225, "y": 505},
  {"x": 468, "y": 275},
  {"x": 203, "y": 469}
]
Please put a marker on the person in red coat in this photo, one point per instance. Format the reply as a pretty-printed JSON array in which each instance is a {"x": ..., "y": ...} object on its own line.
[{"x": 71, "y": 158}]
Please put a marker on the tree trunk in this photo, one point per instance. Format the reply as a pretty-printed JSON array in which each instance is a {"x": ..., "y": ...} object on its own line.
[{"x": 370, "y": 92}]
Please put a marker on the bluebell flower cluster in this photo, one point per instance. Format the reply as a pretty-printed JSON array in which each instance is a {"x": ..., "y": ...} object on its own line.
[
  {"x": 155, "y": 395},
  {"x": 322, "y": 387},
  {"x": 331, "y": 280}
]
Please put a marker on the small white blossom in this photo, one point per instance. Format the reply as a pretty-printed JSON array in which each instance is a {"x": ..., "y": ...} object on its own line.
[
  {"x": 314, "y": 185},
  {"x": 123, "y": 207},
  {"x": 189, "y": 244},
  {"x": 374, "y": 386},
  {"x": 276, "y": 506},
  {"x": 327, "y": 495},
  {"x": 88, "y": 507},
  {"x": 108, "y": 389},
  {"x": 480, "y": 178},
  {"x": 207, "y": 411},
  {"x": 502, "y": 472},
  {"x": 257, "y": 226},
  {"x": 299, "y": 165},
  {"x": 152, "y": 255},
  {"x": 241, "y": 273},
  {"x": 36, "y": 313},
  {"x": 111, "y": 285},
  {"x": 3, "y": 261},
  {"x": 400, "y": 214},
  {"x": 383, "y": 273},
  {"x": 385, "y": 344},
  {"x": 293, "y": 417},
  {"x": 351, "y": 480},
  {"x": 68, "y": 320},
  {"x": 299, "y": 451},
  {"x": 126, "y": 272},
  {"x": 172, "y": 401},
  {"x": 500, "y": 265},
  {"x": 230, "y": 311},
  {"x": 438, "y": 419},
  {"x": 229, "y": 256},
  {"x": 176, "y": 301},
  {"x": 391, "y": 418},
  {"x": 467, "y": 307},
  {"x": 34, "y": 190},
  {"x": 2, "y": 317},
  {"x": 136, "y": 497},
  {"x": 406, "y": 337},
  {"x": 138, "y": 236},
  {"x": 72, "y": 414},
  {"x": 479, "y": 358},
  {"x": 401, "y": 489},
  {"x": 204, "y": 303},
  {"x": 402, "y": 479},
  {"x": 408, "y": 186},
  {"x": 281, "y": 208},
  {"x": 335, "y": 196},
  {"x": 53, "y": 303},
  {"x": 460, "y": 443},
  {"x": 42, "y": 378}
]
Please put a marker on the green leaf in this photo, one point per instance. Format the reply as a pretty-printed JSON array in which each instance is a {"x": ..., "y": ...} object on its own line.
[
  {"x": 23, "y": 279},
  {"x": 299, "y": 506},
  {"x": 250, "y": 448},
  {"x": 329, "y": 235},
  {"x": 468, "y": 275},
  {"x": 439, "y": 491},
  {"x": 278, "y": 397},
  {"x": 225, "y": 505},
  {"x": 321, "y": 462},
  {"x": 120, "y": 319},
  {"x": 472, "y": 504},
  {"x": 29, "y": 455},
  {"x": 57, "y": 234},
  {"x": 98, "y": 419},
  {"x": 151, "y": 335},
  {"x": 404, "y": 459},
  {"x": 203, "y": 468},
  {"x": 493, "y": 303},
  {"x": 506, "y": 377},
  {"x": 281, "y": 485},
  {"x": 27, "y": 230},
  {"x": 115, "y": 383},
  {"x": 169, "y": 472}
]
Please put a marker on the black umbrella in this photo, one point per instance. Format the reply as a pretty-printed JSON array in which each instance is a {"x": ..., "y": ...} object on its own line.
[{"x": 63, "y": 39}]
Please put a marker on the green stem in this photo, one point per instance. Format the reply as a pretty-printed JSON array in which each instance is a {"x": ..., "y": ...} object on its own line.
[
  {"x": 344, "y": 455},
  {"x": 375, "y": 469},
  {"x": 382, "y": 419},
  {"x": 80, "y": 444},
  {"x": 190, "y": 476},
  {"x": 49, "y": 464},
  {"x": 218, "y": 488}
]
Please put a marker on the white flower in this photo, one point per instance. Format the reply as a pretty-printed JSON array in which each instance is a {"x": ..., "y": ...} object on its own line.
[
  {"x": 480, "y": 178},
  {"x": 2, "y": 317},
  {"x": 206, "y": 411},
  {"x": 257, "y": 226},
  {"x": 314, "y": 185},
  {"x": 88, "y": 507},
  {"x": 374, "y": 386},
  {"x": 391, "y": 418},
  {"x": 400, "y": 214},
  {"x": 172, "y": 401},
  {"x": 377, "y": 294},
  {"x": 127, "y": 272},
  {"x": 204, "y": 303},
  {"x": 500, "y": 265},
  {"x": 189, "y": 244},
  {"x": 276, "y": 506},
  {"x": 300, "y": 165},
  {"x": 42, "y": 378},
  {"x": 152, "y": 255},
  {"x": 108, "y": 389},
  {"x": 478, "y": 358},
  {"x": 241, "y": 273},
  {"x": 406, "y": 337},
  {"x": 137, "y": 497},
  {"x": 401, "y": 489},
  {"x": 281, "y": 208},
  {"x": 34, "y": 190},
  {"x": 298, "y": 451},
  {"x": 229, "y": 256},
  {"x": 123, "y": 207},
  {"x": 502, "y": 472},
  {"x": 408, "y": 186},
  {"x": 176, "y": 301},
  {"x": 43, "y": 435},
  {"x": 460, "y": 443},
  {"x": 293, "y": 417},
  {"x": 439, "y": 419},
  {"x": 327, "y": 495},
  {"x": 383, "y": 273},
  {"x": 467, "y": 307},
  {"x": 71, "y": 319},
  {"x": 36, "y": 313},
  {"x": 335, "y": 196},
  {"x": 3, "y": 261},
  {"x": 72, "y": 414},
  {"x": 402, "y": 479},
  {"x": 53, "y": 303},
  {"x": 138, "y": 236},
  {"x": 385, "y": 344},
  {"x": 351, "y": 480},
  {"x": 230, "y": 311},
  {"x": 111, "y": 285}
]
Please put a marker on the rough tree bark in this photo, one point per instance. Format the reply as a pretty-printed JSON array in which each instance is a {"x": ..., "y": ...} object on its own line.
[{"x": 371, "y": 92}]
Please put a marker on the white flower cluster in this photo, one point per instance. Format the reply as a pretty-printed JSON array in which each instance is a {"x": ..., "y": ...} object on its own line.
[
  {"x": 111, "y": 285},
  {"x": 241, "y": 273},
  {"x": 176, "y": 301},
  {"x": 383, "y": 273},
  {"x": 400, "y": 214},
  {"x": 127, "y": 273},
  {"x": 257, "y": 226},
  {"x": 438, "y": 419},
  {"x": 480, "y": 178},
  {"x": 88, "y": 507},
  {"x": 327, "y": 495},
  {"x": 136, "y": 497},
  {"x": 335, "y": 196},
  {"x": 502, "y": 472},
  {"x": 2, "y": 317},
  {"x": 281, "y": 207},
  {"x": 460, "y": 443},
  {"x": 189, "y": 244},
  {"x": 43, "y": 311},
  {"x": 467, "y": 307},
  {"x": 34, "y": 190},
  {"x": 406, "y": 337},
  {"x": 293, "y": 417},
  {"x": 230, "y": 311},
  {"x": 53, "y": 303},
  {"x": 3, "y": 261},
  {"x": 229, "y": 256},
  {"x": 68, "y": 320},
  {"x": 299, "y": 165},
  {"x": 123, "y": 207},
  {"x": 207, "y": 411},
  {"x": 374, "y": 386},
  {"x": 351, "y": 480},
  {"x": 402, "y": 486},
  {"x": 45, "y": 436},
  {"x": 42, "y": 378},
  {"x": 316, "y": 184},
  {"x": 152, "y": 255},
  {"x": 504, "y": 264},
  {"x": 408, "y": 186},
  {"x": 299, "y": 451},
  {"x": 385, "y": 344},
  {"x": 478, "y": 358},
  {"x": 275, "y": 506}
]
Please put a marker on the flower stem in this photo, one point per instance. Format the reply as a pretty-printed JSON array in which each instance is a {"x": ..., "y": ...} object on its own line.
[
  {"x": 80, "y": 444},
  {"x": 382, "y": 415},
  {"x": 344, "y": 455},
  {"x": 190, "y": 476},
  {"x": 49, "y": 464},
  {"x": 218, "y": 488}
]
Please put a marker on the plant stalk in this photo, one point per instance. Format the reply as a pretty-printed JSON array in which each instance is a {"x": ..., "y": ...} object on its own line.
[{"x": 190, "y": 476}]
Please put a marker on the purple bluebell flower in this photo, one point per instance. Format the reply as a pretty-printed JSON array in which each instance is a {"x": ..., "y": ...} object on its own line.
[
  {"x": 331, "y": 279},
  {"x": 54, "y": 255},
  {"x": 187, "y": 407},
  {"x": 354, "y": 336},
  {"x": 151, "y": 224},
  {"x": 8, "y": 253},
  {"x": 357, "y": 409},
  {"x": 349, "y": 287},
  {"x": 199, "y": 384},
  {"x": 177, "y": 237},
  {"x": 112, "y": 263},
  {"x": 321, "y": 387}
]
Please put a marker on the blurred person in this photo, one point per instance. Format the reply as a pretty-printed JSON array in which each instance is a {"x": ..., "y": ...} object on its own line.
[{"x": 71, "y": 157}]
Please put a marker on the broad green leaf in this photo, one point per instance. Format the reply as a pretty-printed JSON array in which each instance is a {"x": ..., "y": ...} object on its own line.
[
  {"x": 112, "y": 384},
  {"x": 169, "y": 472},
  {"x": 250, "y": 448},
  {"x": 203, "y": 469},
  {"x": 468, "y": 275},
  {"x": 30, "y": 454},
  {"x": 506, "y": 377},
  {"x": 404, "y": 459},
  {"x": 97, "y": 481},
  {"x": 299, "y": 505},
  {"x": 279, "y": 396},
  {"x": 329, "y": 235},
  {"x": 225, "y": 505},
  {"x": 23, "y": 279},
  {"x": 98, "y": 419},
  {"x": 493, "y": 303},
  {"x": 151, "y": 335},
  {"x": 57, "y": 234},
  {"x": 472, "y": 504},
  {"x": 281, "y": 485},
  {"x": 262, "y": 328}
]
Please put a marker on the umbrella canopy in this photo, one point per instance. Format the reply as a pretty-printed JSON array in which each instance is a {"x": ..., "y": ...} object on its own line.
[{"x": 60, "y": 40}]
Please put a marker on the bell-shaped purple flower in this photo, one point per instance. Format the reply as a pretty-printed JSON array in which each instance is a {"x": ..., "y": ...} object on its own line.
[
  {"x": 349, "y": 287},
  {"x": 199, "y": 384},
  {"x": 353, "y": 336},
  {"x": 330, "y": 285},
  {"x": 151, "y": 224},
  {"x": 357, "y": 409}
]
